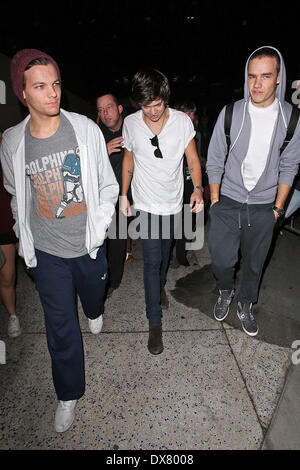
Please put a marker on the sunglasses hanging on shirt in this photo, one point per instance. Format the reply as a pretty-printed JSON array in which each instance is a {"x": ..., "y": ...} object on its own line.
[{"x": 157, "y": 151}]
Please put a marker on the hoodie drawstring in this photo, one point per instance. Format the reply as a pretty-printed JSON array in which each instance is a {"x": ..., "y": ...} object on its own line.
[{"x": 282, "y": 114}]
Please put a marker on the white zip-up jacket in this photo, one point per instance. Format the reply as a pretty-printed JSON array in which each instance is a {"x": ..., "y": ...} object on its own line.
[{"x": 99, "y": 183}]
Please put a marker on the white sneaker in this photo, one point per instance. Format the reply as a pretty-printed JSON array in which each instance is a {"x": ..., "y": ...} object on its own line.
[
  {"x": 64, "y": 416},
  {"x": 14, "y": 328},
  {"x": 96, "y": 325}
]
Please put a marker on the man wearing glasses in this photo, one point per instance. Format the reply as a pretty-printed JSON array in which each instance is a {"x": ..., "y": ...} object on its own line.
[{"x": 155, "y": 139}]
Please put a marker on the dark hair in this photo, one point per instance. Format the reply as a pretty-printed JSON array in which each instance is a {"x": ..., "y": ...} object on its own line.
[
  {"x": 110, "y": 94},
  {"x": 39, "y": 61},
  {"x": 149, "y": 85},
  {"x": 266, "y": 52},
  {"x": 186, "y": 106}
]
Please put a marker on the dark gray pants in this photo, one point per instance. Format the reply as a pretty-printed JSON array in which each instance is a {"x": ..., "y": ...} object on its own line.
[{"x": 235, "y": 226}]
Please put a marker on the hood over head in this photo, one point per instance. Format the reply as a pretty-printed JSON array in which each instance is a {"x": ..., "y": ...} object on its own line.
[{"x": 280, "y": 90}]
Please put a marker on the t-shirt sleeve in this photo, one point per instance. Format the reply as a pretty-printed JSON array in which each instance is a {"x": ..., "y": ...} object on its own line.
[
  {"x": 189, "y": 131},
  {"x": 127, "y": 140}
]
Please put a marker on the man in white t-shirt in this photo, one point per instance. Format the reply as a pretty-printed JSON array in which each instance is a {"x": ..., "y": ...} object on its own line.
[
  {"x": 249, "y": 191},
  {"x": 155, "y": 139}
]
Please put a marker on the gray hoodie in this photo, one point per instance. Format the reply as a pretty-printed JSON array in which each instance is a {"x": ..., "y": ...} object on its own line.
[{"x": 278, "y": 169}]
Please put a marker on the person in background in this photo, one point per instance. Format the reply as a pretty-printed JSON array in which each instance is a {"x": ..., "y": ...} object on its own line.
[
  {"x": 294, "y": 201},
  {"x": 110, "y": 120},
  {"x": 189, "y": 108},
  {"x": 8, "y": 243}
]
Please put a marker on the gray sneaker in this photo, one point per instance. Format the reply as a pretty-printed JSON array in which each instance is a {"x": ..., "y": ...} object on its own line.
[
  {"x": 221, "y": 309},
  {"x": 244, "y": 312}
]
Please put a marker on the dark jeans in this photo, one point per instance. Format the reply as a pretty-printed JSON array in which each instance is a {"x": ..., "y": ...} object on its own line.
[
  {"x": 116, "y": 254},
  {"x": 116, "y": 248},
  {"x": 235, "y": 226},
  {"x": 57, "y": 280},
  {"x": 156, "y": 236}
]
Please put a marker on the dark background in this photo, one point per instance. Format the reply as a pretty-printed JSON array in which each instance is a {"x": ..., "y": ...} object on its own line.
[{"x": 201, "y": 46}]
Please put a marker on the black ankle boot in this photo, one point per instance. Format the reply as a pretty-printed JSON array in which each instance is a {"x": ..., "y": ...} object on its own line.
[
  {"x": 164, "y": 301},
  {"x": 155, "y": 344}
]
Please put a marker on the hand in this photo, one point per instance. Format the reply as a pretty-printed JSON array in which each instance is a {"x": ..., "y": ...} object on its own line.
[
  {"x": 213, "y": 201},
  {"x": 114, "y": 145},
  {"x": 276, "y": 215},
  {"x": 125, "y": 206},
  {"x": 196, "y": 201}
]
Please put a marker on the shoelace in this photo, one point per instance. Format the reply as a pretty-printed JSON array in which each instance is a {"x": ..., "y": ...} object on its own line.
[
  {"x": 224, "y": 299},
  {"x": 243, "y": 314}
]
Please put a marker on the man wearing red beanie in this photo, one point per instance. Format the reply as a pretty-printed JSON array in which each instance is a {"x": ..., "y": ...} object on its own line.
[{"x": 64, "y": 191}]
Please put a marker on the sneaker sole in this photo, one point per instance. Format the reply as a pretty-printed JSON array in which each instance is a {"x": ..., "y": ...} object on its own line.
[
  {"x": 247, "y": 332},
  {"x": 96, "y": 331},
  {"x": 223, "y": 318}
]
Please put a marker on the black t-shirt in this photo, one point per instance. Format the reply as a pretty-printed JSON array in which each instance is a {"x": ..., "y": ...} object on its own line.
[{"x": 116, "y": 158}]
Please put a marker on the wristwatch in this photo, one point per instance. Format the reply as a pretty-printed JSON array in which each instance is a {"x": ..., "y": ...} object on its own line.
[
  {"x": 279, "y": 211},
  {"x": 199, "y": 187}
]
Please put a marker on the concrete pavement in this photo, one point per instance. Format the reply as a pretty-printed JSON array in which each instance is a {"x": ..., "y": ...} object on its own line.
[{"x": 213, "y": 387}]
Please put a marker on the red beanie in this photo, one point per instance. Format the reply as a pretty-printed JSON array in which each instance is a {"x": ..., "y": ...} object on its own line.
[{"x": 18, "y": 65}]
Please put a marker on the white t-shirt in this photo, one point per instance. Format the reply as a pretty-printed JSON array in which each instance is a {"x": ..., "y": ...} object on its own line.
[
  {"x": 157, "y": 183},
  {"x": 262, "y": 125}
]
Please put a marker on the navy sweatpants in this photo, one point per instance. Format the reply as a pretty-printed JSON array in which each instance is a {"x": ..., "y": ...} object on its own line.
[
  {"x": 233, "y": 227},
  {"x": 57, "y": 281}
]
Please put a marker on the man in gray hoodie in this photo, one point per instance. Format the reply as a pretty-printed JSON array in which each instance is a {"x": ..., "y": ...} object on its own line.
[{"x": 249, "y": 189}]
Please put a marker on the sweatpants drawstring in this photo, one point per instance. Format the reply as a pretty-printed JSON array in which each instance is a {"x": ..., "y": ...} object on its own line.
[
  {"x": 248, "y": 216},
  {"x": 240, "y": 225}
]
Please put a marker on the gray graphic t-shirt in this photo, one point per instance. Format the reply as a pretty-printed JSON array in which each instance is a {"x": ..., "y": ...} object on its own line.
[{"x": 58, "y": 212}]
